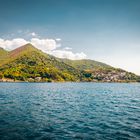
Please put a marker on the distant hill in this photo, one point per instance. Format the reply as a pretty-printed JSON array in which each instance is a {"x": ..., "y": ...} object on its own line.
[
  {"x": 86, "y": 64},
  {"x": 101, "y": 72},
  {"x": 3, "y": 55},
  {"x": 27, "y": 63}
]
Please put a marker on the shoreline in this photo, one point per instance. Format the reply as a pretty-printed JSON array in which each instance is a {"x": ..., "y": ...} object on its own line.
[{"x": 17, "y": 81}]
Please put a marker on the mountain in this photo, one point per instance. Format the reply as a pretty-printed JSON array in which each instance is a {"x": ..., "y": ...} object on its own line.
[
  {"x": 27, "y": 63},
  {"x": 86, "y": 64},
  {"x": 2, "y": 51},
  {"x": 3, "y": 54},
  {"x": 98, "y": 71}
]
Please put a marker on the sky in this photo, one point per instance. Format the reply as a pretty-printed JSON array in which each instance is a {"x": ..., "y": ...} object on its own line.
[{"x": 102, "y": 30}]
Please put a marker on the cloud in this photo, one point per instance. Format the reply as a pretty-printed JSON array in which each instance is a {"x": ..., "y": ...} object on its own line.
[
  {"x": 68, "y": 54},
  {"x": 26, "y": 33},
  {"x": 30, "y": 34},
  {"x": 58, "y": 39},
  {"x": 50, "y": 46},
  {"x": 67, "y": 48},
  {"x": 12, "y": 44},
  {"x": 44, "y": 44},
  {"x": 33, "y": 34}
]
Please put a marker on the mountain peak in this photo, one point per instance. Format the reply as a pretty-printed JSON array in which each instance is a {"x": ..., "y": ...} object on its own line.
[{"x": 27, "y": 48}]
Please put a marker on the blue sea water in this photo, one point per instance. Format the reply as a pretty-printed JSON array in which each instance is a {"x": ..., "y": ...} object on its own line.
[{"x": 69, "y": 111}]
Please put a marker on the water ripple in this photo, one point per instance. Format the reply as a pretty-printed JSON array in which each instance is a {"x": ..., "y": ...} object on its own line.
[{"x": 69, "y": 111}]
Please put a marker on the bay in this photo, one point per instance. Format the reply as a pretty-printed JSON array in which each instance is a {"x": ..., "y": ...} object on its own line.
[{"x": 42, "y": 111}]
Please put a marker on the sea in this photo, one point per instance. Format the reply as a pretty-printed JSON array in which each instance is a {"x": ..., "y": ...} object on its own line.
[{"x": 69, "y": 111}]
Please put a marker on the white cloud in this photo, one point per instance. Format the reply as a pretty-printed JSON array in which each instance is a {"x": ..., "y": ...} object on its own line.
[
  {"x": 68, "y": 54},
  {"x": 12, "y": 44},
  {"x": 27, "y": 33},
  {"x": 58, "y": 39},
  {"x": 34, "y": 34},
  {"x": 46, "y": 45},
  {"x": 67, "y": 48}
]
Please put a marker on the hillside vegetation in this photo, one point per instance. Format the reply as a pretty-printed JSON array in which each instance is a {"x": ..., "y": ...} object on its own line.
[
  {"x": 86, "y": 64},
  {"x": 27, "y": 63}
]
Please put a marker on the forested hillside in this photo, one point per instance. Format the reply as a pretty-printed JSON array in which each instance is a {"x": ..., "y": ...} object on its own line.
[{"x": 27, "y": 63}]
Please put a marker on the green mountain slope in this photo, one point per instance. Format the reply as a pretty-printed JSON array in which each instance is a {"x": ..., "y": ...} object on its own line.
[
  {"x": 27, "y": 63},
  {"x": 3, "y": 55},
  {"x": 14, "y": 54},
  {"x": 98, "y": 71},
  {"x": 2, "y": 51},
  {"x": 86, "y": 64}
]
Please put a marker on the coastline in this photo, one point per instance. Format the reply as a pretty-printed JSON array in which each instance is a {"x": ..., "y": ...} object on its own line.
[{"x": 6, "y": 80}]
